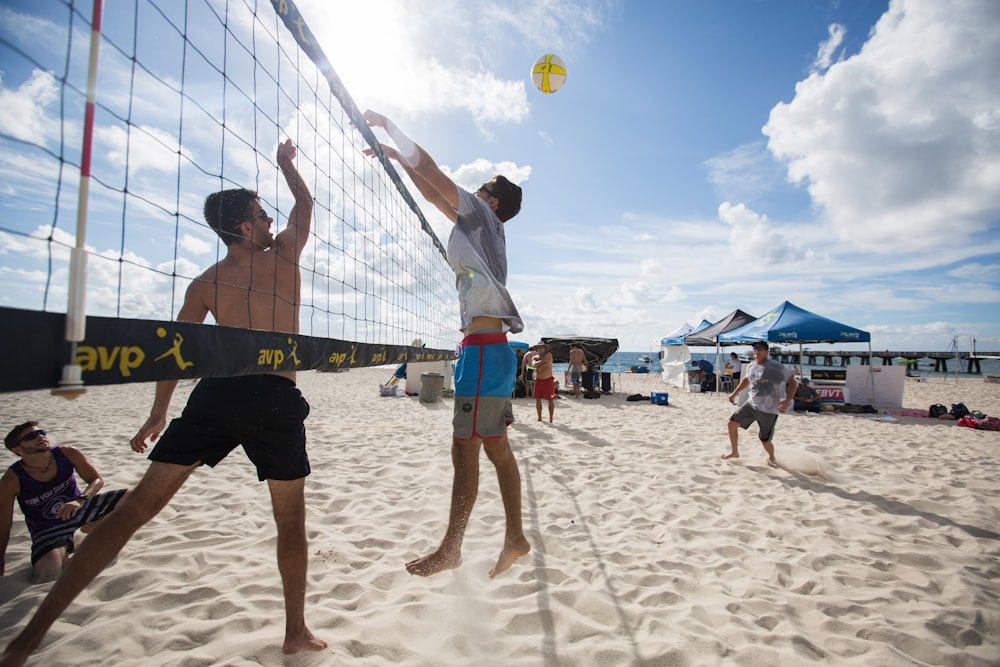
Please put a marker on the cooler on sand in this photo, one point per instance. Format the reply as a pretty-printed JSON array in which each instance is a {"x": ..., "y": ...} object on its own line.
[{"x": 658, "y": 397}]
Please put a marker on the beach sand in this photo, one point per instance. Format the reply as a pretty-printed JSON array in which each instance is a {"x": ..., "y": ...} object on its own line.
[{"x": 875, "y": 543}]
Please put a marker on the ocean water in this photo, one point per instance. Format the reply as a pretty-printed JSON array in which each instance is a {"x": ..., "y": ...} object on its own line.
[{"x": 622, "y": 362}]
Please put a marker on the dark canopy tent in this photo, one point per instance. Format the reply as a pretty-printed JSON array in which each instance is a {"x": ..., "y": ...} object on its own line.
[
  {"x": 595, "y": 350},
  {"x": 708, "y": 337}
]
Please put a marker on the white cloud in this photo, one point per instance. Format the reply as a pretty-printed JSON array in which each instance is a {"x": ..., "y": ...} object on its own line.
[
  {"x": 24, "y": 114},
  {"x": 636, "y": 293},
  {"x": 144, "y": 148},
  {"x": 898, "y": 143},
  {"x": 755, "y": 241},
  {"x": 674, "y": 294},
  {"x": 744, "y": 172},
  {"x": 975, "y": 271},
  {"x": 432, "y": 56},
  {"x": 828, "y": 49},
  {"x": 195, "y": 245}
]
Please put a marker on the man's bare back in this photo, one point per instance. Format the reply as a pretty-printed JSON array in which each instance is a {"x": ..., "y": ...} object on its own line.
[{"x": 257, "y": 285}]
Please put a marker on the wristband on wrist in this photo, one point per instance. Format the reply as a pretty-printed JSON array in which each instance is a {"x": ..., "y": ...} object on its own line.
[{"x": 83, "y": 496}]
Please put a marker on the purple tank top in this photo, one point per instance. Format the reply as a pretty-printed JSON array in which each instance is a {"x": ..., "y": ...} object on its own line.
[{"x": 40, "y": 501}]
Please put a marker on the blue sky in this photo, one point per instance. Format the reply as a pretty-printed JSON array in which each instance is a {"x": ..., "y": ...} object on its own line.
[
  {"x": 708, "y": 156},
  {"x": 701, "y": 157}
]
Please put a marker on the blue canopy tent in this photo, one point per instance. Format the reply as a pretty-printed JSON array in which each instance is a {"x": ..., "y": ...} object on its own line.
[
  {"x": 698, "y": 329},
  {"x": 677, "y": 337},
  {"x": 790, "y": 324}
]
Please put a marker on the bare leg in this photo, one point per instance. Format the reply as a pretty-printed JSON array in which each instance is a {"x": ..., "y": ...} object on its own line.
[
  {"x": 734, "y": 439},
  {"x": 552, "y": 410},
  {"x": 465, "y": 488},
  {"x": 514, "y": 543},
  {"x": 49, "y": 566},
  {"x": 154, "y": 491},
  {"x": 288, "y": 502},
  {"x": 769, "y": 448},
  {"x": 538, "y": 407}
]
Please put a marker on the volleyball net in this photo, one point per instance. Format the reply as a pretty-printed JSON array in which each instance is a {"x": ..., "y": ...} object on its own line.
[{"x": 193, "y": 97}]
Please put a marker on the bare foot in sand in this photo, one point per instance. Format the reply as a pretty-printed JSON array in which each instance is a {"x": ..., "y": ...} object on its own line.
[
  {"x": 305, "y": 643},
  {"x": 511, "y": 552},
  {"x": 772, "y": 463},
  {"x": 435, "y": 562},
  {"x": 734, "y": 455}
]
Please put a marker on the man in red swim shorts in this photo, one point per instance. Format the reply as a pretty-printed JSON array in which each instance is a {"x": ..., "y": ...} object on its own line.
[{"x": 545, "y": 383}]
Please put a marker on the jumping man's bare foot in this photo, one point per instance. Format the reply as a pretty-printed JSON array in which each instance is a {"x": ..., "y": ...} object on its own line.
[
  {"x": 306, "y": 643},
  {"x": 510, "y": 553},
  {"x": 734, "y": 455},
  {"x": 435, "y": 562}
]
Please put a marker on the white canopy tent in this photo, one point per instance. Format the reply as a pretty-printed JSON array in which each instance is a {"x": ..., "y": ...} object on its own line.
[{"x": 675, "y": 355}]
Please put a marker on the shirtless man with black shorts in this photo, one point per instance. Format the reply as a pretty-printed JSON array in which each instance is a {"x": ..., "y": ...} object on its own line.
[{"x": 257, "y": 285}]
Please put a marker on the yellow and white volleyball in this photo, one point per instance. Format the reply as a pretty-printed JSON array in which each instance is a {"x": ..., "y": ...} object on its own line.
[{"x": 549, "y": 73}]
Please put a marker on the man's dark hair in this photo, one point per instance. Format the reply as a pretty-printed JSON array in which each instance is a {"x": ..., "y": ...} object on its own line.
[
  {"x": 10, "y": 441},
  {"x": 225, "y": 211},
  {"x": 509, "y": 197}
]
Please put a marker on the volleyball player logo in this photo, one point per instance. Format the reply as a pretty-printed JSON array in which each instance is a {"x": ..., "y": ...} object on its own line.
[{"x": 175, "y": 349}]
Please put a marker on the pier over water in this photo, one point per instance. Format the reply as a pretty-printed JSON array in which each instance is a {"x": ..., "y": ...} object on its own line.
[{"x": 909, "y": 359}]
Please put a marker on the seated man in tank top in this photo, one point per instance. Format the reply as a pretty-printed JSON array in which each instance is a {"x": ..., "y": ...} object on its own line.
[{"x": 43, "y": 481}]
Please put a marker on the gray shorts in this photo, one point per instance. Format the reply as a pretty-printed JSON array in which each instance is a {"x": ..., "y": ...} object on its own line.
[{"x": 747, "y": 415}]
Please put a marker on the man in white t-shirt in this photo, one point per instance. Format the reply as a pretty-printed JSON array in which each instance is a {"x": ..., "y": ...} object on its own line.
[{"x": 766, "y": 378}]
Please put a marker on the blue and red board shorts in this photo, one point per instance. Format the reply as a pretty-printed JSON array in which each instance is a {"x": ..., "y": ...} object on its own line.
[{"x": 484, "y": 378}]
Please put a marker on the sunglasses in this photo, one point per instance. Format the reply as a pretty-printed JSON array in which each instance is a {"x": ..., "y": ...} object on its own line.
[
  {"x": 31, "y": 436},
  {"x": 261, "y": 215},
  {"x": 483, "y": 188}
]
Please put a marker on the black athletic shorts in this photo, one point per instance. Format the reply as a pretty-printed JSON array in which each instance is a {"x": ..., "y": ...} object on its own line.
[{"x": 264, "y": 413}]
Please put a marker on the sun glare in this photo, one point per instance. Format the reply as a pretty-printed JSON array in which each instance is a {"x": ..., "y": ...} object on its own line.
[{"x": 370, "y": 45}]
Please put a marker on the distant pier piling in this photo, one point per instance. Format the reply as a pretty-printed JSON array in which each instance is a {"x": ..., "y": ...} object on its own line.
[{"x": 911, "y": 359}]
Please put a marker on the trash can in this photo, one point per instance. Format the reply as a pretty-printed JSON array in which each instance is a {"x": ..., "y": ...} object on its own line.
[{"x": 431, "y": 387}]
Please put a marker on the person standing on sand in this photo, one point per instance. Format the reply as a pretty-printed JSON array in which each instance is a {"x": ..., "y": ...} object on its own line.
[
  {"x": 257, "y": 285},
  {"x": 765, "y": 377},
  {"x": 545, "y": 382},
  {"x": 484, "y": 374},
  {"x": 528, "y": 371},
  {"x": 736, "y": 365},
  {"x": 577, "y": 364}
]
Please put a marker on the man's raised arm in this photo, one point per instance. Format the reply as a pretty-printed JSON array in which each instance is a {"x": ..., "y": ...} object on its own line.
[
  {"x": 294, "y": 237},
  {"x": 433, "y": 184}
]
